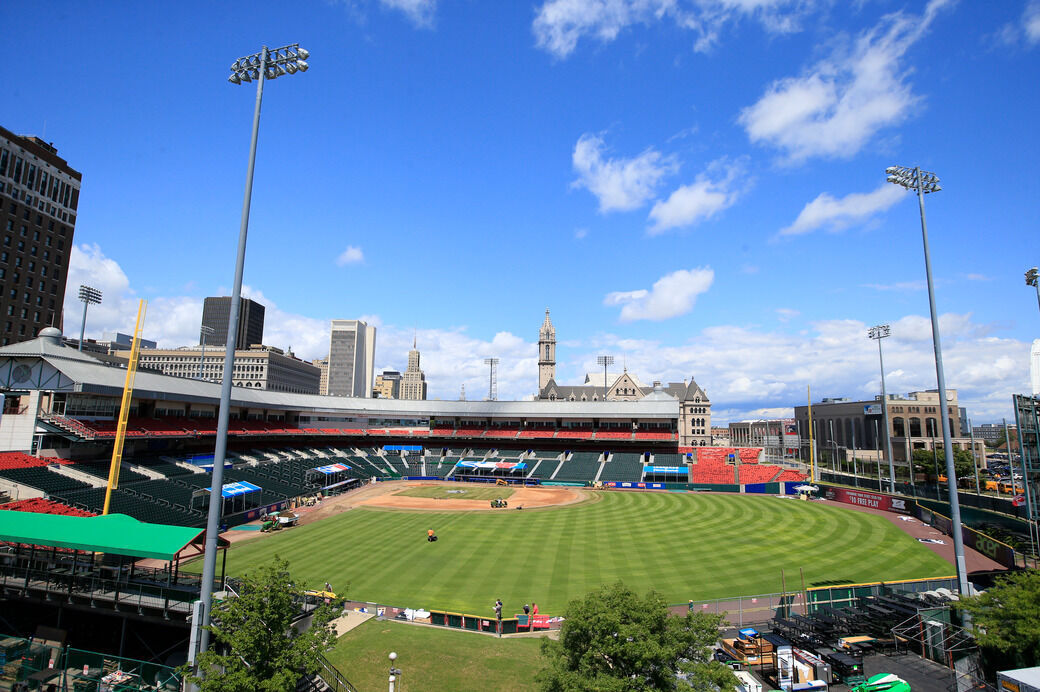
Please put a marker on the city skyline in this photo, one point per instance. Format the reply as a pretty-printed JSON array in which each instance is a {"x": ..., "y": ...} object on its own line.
[{"x": 705, "y": 201}]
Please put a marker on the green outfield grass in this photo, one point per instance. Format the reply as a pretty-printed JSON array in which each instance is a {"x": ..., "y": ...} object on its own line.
[
  {"x": 434, "y": 659},
  {"x": 685, "y": 546},
  {"x": 459, "y": 491}
]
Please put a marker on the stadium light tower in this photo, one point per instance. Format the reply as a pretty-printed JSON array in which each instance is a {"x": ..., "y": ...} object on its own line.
[
  {"x": 267, "y": 64},
  {"x": 204, "y": 331},
  {"x": 605, "y": 361},
  {"x": 492, "y": 379},
  {"x": 878, "y": 333},
  {"x": 923, "y": 183},
  {"x": 1033, "y": 279},
  {"x": 89, "y": 296}
]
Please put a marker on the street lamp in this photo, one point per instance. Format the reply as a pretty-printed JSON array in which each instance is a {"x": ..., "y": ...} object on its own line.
[
  {"x": 204, "y": 331},
  {"x": 605, "y": 361},
  {"x": 89, "y": 296},
  {"x": 1031, "y": 280},
  {"x": 394, "y": 672},
  {"x": 923, "y": 183},
  {"x": 267, "y": 64},
  {"x": 878, "y": 333}
]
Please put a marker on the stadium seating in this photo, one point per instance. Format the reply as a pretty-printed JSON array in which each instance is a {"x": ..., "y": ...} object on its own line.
[
  {"x": 623, "y": 466},
  {"x": 757, "y": 473},
  {"x": 581, "y": 466},
  {"x": 20, "y": 460},
  {"x": 42, "y": 506},
  {"x": 542, "y": 468},
  {"x": 749, "y": 455},
  {"x": 791, "y": 475},
  {"x": 43, "y": 479},
  {"x": 573, "y": 434},
  {"x": 655, "y": 435},
  {"x": 612, "y": 435},
  {"x": 100, "y": 470},
  {"x": 442, "y": 432}
]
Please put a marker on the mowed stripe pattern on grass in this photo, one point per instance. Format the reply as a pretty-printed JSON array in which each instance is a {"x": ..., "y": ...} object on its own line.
[
  {"x": 695, "y": 546},
  {"x": 458, "y": 492}
]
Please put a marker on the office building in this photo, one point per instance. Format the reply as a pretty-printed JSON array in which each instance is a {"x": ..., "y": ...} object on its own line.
[
  {"x": 352, "y": 350},
  {"x": 413, "y": 382},
  {"x": 39, "y": 195},
  {"x": 388, "y": 385},
  {"x": 216, "y": 314},
  {"x": 322, "y": 364},
  {"x": 262, "y": 367}
]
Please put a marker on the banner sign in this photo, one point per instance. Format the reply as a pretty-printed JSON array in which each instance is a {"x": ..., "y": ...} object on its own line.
[
  {"x": 862, "y": 498},
  {"x": 333, "y": 468},
  {"x": 872, "y": 410},
  {"x": 509, "y": 466},
  {"x": 402, "y": 448},
  {"x": 674, "y": 470},
  {"x": 990, "y": 547},
  {"x": 630, "y": 484},
  {"x": 541, "y": 621}
]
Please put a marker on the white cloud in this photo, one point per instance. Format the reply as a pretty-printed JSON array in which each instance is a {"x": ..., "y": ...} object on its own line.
[
  {"x": 352, "y": 255},
  {"x": 560, "y": 24},
  {"x": 420, "y": 12},
  {"x": 786, "y": 314},
  {"x": 900, "y": 286},
  {"x": 700, "y": 200},
  {"x": 672, "y": 295},
  {"x": 581, "y": 233},
  {"x": 837, "y": 214},
  {"x": 1026, "y": 30},
  {"x": 619, "y": 184},
  {"x": 841, "y": 102}
]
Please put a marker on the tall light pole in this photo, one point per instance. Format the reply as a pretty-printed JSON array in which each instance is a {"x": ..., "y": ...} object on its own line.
[
  {"x": 492, "y": 363},
  {"x": 1032, "y": 280},
  {"x": 89, "y": 296},
  {"x": 267, "y": 64},
  {"x": 878, "y": 333},
  {"x": 923, "y": 183},
  {"x": 204, "y": 331},
  {"x": 605, "y": 361}
]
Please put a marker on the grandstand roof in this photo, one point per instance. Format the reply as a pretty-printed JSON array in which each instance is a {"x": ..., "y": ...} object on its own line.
[
  {"x": 113, "y": 533},
  {"x": 82, "y": 372}
]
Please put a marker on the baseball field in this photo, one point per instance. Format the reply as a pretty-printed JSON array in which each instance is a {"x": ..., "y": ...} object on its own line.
[{"x": 685, "y": 546}]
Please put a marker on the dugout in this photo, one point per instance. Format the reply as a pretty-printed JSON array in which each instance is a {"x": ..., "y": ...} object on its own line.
[
  {"x": 236, "y": 497},
  {"x": 332, "y": 477},
  {"x": 490, "y": 471},
  {"x": 666, "y": 474}
]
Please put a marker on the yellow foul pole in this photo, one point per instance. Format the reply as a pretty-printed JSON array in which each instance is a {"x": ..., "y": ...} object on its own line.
[
  {"x": 124, "y": 409},
  {"x": 812, "y": 449}
]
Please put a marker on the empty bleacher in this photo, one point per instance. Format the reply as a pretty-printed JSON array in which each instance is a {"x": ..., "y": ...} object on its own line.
[
  {"x": 42, "y": 506},
  {"x": 623, "y": 466},
  {"x": 41, "y": 478},
  {"x": 100, "y": 470},
  {"x": 580, "y": 466}
]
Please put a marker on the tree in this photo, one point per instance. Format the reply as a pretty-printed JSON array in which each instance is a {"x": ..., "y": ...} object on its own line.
[
  {"x": 259, "y": 649},
  {"x": 614, "y": 641},
  {"x": 963, "y": 463},
  {"x": 1007, "y": 617}
]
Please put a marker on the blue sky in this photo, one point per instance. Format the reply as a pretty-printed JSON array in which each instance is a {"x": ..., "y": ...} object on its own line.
[{"x": 693, "y": 186}]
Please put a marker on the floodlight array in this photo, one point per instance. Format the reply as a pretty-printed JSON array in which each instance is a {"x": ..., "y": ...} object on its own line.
[
  {"x": 1031, "y": 277},
  {"x": 913, "y": 179},
  {"x": 272, "y": 63},
  {"x": 879, "y": 332},
  {"x": 89, "y": 294}
]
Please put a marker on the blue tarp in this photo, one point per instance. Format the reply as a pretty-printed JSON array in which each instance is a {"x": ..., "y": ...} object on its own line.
[
  {"x": 238, "y": 488},
  {"x": 675, "y": 470},
  {"x": 403, "y": 448}
]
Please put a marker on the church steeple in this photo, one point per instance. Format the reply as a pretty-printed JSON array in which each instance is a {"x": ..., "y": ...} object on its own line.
[{"x": 546, "y": 352}]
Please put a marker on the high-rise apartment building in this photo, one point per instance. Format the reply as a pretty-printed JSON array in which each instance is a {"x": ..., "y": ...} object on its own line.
[
  {"x": 352, "y": 351},
  {"x": 39, "y": 194},
  {"x": 388, "y": 385},
  {"x": 413, "y": 382},
  {"x": 216, "y": 313}
]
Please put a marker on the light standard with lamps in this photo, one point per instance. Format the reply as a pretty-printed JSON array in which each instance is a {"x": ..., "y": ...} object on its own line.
[
  {"x": 1033, "y": 279},
  {"x": 267, "y": 64},
  {"x": 922, "y": 183},
  {"x": 204, "y": 331},
  {"x": 605, "y": 361},
  {"x": 89, "y": 296},
  {"x": 878, "y": 333}
]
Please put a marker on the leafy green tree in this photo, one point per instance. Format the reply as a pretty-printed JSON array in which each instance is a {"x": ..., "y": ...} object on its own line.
[
  {"x": 1007, "y": 617},
  {"x": 963, "y": 464},
  {"x": 255, "y": 646},
  {"x": 615, "y": 641}
]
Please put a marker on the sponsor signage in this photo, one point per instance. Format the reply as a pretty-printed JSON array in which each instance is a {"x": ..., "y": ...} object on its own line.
[
  {"x": 862, "y": 498},
  {"x": 630, "y": 484},
  {"x": 872, "y": 410}
]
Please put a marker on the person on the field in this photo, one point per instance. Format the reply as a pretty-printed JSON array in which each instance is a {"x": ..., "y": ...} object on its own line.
[
  {"x": 527, "y": 609},
  {"x": 534, "y": 609},
  {"x": 431, "y": 536}
]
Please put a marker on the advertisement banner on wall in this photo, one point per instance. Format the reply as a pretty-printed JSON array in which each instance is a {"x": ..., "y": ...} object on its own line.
[{"x": 863, "y": 498}]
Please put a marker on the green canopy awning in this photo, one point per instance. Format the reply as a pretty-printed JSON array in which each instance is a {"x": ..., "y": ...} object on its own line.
[{"x": 118, "y": 534}]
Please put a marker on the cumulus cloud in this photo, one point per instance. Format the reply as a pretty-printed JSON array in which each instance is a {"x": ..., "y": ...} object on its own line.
[
  {"x": 672, "y": 295},
  {"x": 352, "y": 255},
  {"x": 698, "y": 201},
  {"x": 1026, "y": 30},
  {"x": 837, "y": 105},
  {"x": 836, "y": 214},
  {"x": 560, "y": 24},
  {"x": 619, "y": 184},
  {"x": 786, "y": 314}
]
